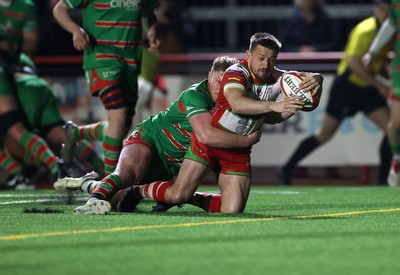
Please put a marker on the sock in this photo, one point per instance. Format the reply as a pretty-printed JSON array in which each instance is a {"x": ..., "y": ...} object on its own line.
[
  {"x": 86, "y": 151},
  {"x": 208, "y": 202},
  {"x": 303, "y": 149},
  {"x": 34, "y": 146},
  {"x": 10, "y": 165},
  {"x": 396, "y": 151},
  {"x": 112, "y": 148},
  {"x": 89, "y": 186},
  {"x": 155, "y": 190},
  {"x": 91, "y": 132},
  {"x": 385, "y": 155},
  {"x": 107, "y": 187}
]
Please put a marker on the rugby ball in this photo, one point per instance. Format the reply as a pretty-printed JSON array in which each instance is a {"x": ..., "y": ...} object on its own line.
[{"x": 289, "y": 85}]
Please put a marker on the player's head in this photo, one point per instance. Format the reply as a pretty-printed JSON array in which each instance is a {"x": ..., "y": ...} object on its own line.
[
  {"x": 380, "y": 9},
  {"x": 220, "y": 64},
  {"x": 262, "y": 54}
]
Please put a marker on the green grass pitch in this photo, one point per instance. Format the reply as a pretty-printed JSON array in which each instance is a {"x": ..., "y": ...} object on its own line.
[{"x": 284, "y": 230}]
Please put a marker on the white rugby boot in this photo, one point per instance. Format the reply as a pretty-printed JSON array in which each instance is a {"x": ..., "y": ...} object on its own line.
[
  {"x": 94, "y": 206},
  {"x": 394, "y": 174},
  {"x": 74, "y": 184}
]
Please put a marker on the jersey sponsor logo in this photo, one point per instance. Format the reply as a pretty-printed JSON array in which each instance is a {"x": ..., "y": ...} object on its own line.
[{"x": 127, "y": 4}]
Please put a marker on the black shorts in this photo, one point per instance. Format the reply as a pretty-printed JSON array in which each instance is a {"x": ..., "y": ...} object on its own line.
[{"x": 346, "y": 99}]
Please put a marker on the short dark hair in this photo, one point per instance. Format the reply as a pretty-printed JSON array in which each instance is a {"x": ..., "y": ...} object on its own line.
[
  {"x": 266, "y": 40},
  {"x": 223, "y": 62}
]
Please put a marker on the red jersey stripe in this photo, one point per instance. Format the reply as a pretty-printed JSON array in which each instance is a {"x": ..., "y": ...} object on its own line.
[
  {"x": 101, "y": 5},
  {"x": 16, "y": 15},
  {"x": 119, "y": 43},
  {"x": 117, "y": 24},
  {"x": 173, "y": 141}
]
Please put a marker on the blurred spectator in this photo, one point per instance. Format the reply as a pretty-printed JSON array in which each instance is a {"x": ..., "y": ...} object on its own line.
[
  {"x": 311, "y": 29},
  {"x": 174, "y": 26}
]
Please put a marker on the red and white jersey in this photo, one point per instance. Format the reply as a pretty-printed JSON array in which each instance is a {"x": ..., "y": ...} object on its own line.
[{"x": 239, "y": 76}]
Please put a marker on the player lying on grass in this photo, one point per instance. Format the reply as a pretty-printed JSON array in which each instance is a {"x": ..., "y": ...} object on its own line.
[
  {"x": 70, "y": 183},
  {"x": 41, "y": 116},
  {"x": 246, "y": 99}
]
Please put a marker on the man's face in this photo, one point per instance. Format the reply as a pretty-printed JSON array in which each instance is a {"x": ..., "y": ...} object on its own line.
[
  {"x": 214, "y": 81},
  {"x": 262, "y": 62}
]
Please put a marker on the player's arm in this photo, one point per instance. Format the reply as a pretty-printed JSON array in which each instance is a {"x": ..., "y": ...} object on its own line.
[
  {"x": 213, "y": 137},
  {"x": 357, "y": 66},
  {"x": 383, "y": 37},
  {"x": 242, "y": 105},
  {"x": 149, "y": 23},
  {"x": 80, "y": 38},
  {"x": 30, "y": 42}
]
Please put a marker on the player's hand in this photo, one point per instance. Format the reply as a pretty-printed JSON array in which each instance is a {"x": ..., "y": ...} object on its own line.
[
  {"x": 80, "y": 39},
  {"x": 366, "y": 59},
  {"x": 254, "y": 138},
  {"x": 290, "y": 104},
  {"x": 152, "y": 40},
  {"x": 312, "y": 82}
]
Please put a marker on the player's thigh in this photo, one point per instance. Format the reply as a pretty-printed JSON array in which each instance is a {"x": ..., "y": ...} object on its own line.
[
  {"x": 328, "y": 128},
  {"x": 133, "y": 162},
  {"x": 395, "y": 113},
  {"x": 189, "y": 178},
  {"x": 380, "y": 117},
  {"x": 7, "y": 103},
  {"x": 235, "y": 191}
]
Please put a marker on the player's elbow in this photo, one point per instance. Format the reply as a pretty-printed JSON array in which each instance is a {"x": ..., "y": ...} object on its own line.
[{"x": 238, "y": 108}]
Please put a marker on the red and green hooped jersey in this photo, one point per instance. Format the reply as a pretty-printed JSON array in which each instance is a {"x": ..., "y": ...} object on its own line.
[
  {"x": 15, "y": 19},
  {"x": 171, "y": 131},
  {"x": 115, "y": 29}
]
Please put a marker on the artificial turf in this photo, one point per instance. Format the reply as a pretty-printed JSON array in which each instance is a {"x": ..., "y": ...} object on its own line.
[{"x": 284, "y": 230}]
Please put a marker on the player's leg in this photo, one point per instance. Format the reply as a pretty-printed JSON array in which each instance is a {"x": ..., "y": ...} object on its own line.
[
  {"x": 75, "y": 134},
  {"x": 380, "y": 117},
  {"x": 13, "y": 168},
  {"x": 133, "y": 161},
  {"x": 179, "y": 191},
  {"x": 394, "y": 139},
  {"x": 86, "y": 152},
  {"x": 17, "y": 138},
  {"x": 118, "y": 92},
  {"x": 328, "y": 128},
  {"x": 234, "y": 192},
  {"x": 339, "y": 104}
]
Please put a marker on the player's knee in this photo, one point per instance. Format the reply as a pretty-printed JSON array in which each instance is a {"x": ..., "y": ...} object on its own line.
[
  {"x": 113, "y": 97},
  {"x": 394, "y": 123},
  {"x": 8, "y": 120},
  {"x": 231, "y": 209},
  {"x": 179, "y": 197}
]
